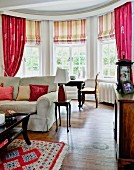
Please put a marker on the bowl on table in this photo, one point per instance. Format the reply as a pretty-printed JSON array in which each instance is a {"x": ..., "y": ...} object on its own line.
[{"x": 72, "y": 77}]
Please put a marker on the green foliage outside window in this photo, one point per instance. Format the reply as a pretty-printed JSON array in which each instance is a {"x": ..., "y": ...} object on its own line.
[
  {"x": 72, "y": 58},
  {"x": 109, "y": 59},
  {"x": 31, "y": 59}
]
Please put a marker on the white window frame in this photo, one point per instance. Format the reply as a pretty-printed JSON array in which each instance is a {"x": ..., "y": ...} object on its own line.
[
  {"x": 40, "y": 60},
  {"x": 100, "y": 58},
  {"x": 70, "y": 50}
]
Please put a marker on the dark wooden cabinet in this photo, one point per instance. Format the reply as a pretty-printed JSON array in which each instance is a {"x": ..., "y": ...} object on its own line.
[{"x": 124, "y": 127}]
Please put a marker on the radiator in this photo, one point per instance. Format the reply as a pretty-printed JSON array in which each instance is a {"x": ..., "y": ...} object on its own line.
[{"x": 106, "y": 92}]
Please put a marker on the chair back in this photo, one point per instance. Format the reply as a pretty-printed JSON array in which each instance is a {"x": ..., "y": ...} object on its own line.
[{"x": 96, "y": 81}]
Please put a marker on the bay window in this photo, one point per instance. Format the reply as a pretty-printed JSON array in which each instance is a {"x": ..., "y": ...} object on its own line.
[{"x": 70, "y": 45}]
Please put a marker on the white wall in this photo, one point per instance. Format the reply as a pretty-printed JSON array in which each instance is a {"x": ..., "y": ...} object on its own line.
[{"x": 45, "y": 41}]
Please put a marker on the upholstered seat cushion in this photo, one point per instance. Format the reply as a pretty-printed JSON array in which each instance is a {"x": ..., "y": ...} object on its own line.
[{"x": 18, "y": 106}]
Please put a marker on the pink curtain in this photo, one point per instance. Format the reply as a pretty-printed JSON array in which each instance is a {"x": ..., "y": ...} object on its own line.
[
  {"x": 14, "y": 35},
  {"x": 123, "y": 31}
]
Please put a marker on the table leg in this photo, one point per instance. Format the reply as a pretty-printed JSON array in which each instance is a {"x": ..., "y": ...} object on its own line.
[
  {"x": 56, "y": 118},
  {"x": 59, "y": 116},
  {"x": 115, "y": 123},
  {"x": 67, "y": 118},
  {"x": 79, "y": 97},
  {"x": 69, "y": 114},
  {"x": 24, "y": 132}
]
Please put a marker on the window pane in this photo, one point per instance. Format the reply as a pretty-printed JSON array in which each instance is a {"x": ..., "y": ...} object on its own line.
[
  {"x": 112, "y": 71},
  {"x": 105, "y": 50},
  {"x": 105, "y": 71},
  {"x": 79, "y": 58},
  {"x": 112, "y": 59},
  {"x": 76, "y": 61},
  {"x": 105, "y": 61},
  {"x": 66, "y": 60},
  {"x": 30, "y": 62},
  {"x": 59, "y": 60},
  {"x": 75, "y": 70},
  {"x": 105, "y": 54},
  {"x": 83, "y": 60},
  {"x": 112, "y": 53},
  {"x": 109, "y": 58},
  {"x": 62, "y": 56},
  {"x": 71, "y": 57},
  {"x": 31, "y": 55}
]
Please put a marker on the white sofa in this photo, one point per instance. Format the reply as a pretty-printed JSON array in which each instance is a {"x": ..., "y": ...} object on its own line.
[{"x": 44, "y": 106}]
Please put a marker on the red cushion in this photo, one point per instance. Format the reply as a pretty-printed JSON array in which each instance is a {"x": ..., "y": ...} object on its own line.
[
  {"x": 36, "y": 91},
  {"x": 6, "y": 93}
]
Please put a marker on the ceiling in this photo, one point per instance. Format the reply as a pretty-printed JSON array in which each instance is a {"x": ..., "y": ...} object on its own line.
[{"x": 53, "y": 7}]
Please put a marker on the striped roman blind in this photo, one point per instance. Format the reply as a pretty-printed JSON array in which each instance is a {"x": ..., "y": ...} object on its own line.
[
  {"x": 70, "y": 31},
  {"x": 106, "y": 26},
  {"x": 33, "y": 31}
]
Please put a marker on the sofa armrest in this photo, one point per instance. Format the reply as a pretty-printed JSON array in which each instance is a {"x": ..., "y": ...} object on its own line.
[
  {"x": 49, "y": 97},
  {"x": 45, "y": 102}
]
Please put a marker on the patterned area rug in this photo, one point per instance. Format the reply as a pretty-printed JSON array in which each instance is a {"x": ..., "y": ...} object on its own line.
[{"x": 43, "y": 155}]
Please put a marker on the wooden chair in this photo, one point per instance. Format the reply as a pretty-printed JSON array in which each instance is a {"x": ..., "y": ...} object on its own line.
[{"x": 90, "y": 90}]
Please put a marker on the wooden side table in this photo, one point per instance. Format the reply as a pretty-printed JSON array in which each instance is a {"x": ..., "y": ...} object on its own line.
[{"x": 67, "y": 104}]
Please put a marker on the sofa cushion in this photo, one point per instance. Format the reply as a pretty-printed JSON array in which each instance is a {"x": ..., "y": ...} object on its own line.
[
  {"x": 18, "y": 106},
  {"x": 24, "y": 93},
  {"x": 36, "y": 91},
  {"x": 6, "y": 93},
  {"x": 41, "y": 80},
  {"x": 11, "y": 81}
]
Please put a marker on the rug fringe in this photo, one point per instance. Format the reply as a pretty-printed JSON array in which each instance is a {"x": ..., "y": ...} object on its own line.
[{"x": 58, "y": 163}]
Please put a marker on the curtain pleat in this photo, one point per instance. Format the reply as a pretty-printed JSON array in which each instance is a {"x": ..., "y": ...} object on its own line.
[
  {"x": 123, "y": 31},
  {"x": 14, "y": 34}
]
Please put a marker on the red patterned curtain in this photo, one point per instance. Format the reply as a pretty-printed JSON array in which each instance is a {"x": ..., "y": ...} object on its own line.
[
  {"x": 106, "y": 26},
  {"x": 123, "y": 31},
  {"x": 14, "y": 33},
  {"x": 70, "y": 31},
  {"x": 33, "y": 31}
]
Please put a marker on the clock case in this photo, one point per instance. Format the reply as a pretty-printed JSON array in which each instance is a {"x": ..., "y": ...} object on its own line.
[{"x": 124, "y": 73}]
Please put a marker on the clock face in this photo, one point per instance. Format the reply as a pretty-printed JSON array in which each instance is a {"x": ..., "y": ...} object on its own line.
[{"x": 124, "y": 73}]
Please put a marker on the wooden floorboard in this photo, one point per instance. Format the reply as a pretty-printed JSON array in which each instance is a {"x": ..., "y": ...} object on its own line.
[{"x": 90, "y": 138}]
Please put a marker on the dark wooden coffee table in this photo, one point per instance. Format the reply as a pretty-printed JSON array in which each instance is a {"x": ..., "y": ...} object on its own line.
[{"x": 10, "y": 131}]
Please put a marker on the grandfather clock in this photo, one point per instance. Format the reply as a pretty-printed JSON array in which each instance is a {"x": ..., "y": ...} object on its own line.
[{"x": 124, "y": 72}]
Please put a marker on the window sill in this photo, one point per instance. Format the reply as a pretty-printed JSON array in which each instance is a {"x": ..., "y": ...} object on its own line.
[{"x": 106, "y": 80}]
